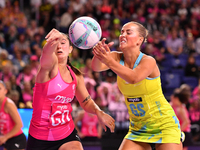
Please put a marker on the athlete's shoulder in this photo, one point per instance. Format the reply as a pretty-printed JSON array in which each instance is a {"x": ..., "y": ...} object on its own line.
[
  {"x": 9, "y": 105},
  {"x": 148, "y": 58}
]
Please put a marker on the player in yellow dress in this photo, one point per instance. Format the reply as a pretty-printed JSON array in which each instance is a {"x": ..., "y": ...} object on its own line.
[{"x": 152, "y": 119}]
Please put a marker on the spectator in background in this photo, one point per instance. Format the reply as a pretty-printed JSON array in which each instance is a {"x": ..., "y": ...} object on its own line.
[
  {"x": 4, "y": 58},
  {"x": 88, "y": 127},
  {"x": 34, "y": 64},
  {"x": 19, "y": 18},
  {"x": 90, "y": 84},
  {"x": 22, "y": 45},
  {"x": 45, "y": 10},
  {"x": 37, "y": 40},
  {"x": 164, "y": 25},
  {"x": 14, "y": 95},
  {"x": 151, "y": 24},
  {"x": 33, "y": 27},
  {"x": 15, "y": 87},
  {"x": 76, "y": 60},
  {"x": 197, "y": 45},
  {"x": 174, "y": 44},
  {"x": 27, "y": 94},
  {"x": 19, "y": 62},
  {"x": 11, "y": 37},
  {"x": 97, "y": 78},
  {"x": 66, "y": 19},
  {"x": 191, "y": 69},
  {"x": 11, "y": 134},
  {"x": 194, "y": 26},
  {"x": 194, "y": 112},
  {"x": 106, "y": 7},
  {"x": 153, "y": 51},
  {"x": 87, "y": 70},
  {"x": 117, "y": 105},
  {"x": 189, "y": 44},
  {"x": 76, "y": 6},
  {"x": 104, "y": 92},
  {"x": 2, "y": 41},
  {"x": 105, "y": 24},
  {"x": 6, "y": 73},
  {"x": 25, "y": 76},
  {"x": 195, "y": 10}
]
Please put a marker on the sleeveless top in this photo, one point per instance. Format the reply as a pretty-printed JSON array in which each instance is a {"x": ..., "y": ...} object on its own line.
[
  {"x": 6, "y": 122},
  {"x": 51, "y": 118},
  {"x": 89, "y": 125},
  {"x": 149, "y": 112}
]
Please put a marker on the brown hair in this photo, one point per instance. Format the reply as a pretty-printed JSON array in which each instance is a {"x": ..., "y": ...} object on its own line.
[
  {"x": 143, "y": 32},
  {"x": 75, "y": 70},
  {"x": 182, "y": 94}
]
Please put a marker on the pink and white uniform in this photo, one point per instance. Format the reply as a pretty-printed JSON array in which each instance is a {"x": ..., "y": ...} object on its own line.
[
  {"x": 89, "y": 125},
  {"x": 179, "y": 118},
  {"x": 6, "y": 122},
  {"x": 51, "y": 118}
]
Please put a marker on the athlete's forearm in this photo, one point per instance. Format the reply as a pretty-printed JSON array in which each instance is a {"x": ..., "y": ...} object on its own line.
[
  {"x": 97, "y": 65},
  {"x": 90, "y": 106},
  {"x": 13, "y": 132}
]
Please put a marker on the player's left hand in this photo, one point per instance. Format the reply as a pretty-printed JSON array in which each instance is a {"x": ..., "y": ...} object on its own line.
[
  {"x": 106, "y": 120},
  {"x": 102, "y": 51}
]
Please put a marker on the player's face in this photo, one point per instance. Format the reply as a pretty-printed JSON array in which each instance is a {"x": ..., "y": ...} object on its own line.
[
  {"x": 64, "y": 48},
  {"x": 129, "y": 36}
]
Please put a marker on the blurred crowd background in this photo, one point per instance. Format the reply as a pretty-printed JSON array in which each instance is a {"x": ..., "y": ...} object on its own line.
[{"x": 174, "y": 41}]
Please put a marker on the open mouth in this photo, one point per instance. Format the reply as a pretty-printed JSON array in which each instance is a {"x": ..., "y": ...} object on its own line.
[{"x": 122, "y": 42}]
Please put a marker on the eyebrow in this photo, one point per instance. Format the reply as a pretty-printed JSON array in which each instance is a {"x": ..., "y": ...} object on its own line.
[
  {"x": 127, "y": 30},
  {"x": 64, "y": 40}
]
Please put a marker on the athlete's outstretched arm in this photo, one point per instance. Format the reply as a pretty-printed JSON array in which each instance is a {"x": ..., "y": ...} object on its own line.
[
  {"x": 97, "y": 65},
  {"x": 48, "y": 57},
  {"x": 143, "y": 70},
  {"x": 48, "y": 61},
  {"x": 90, "y": 106}
]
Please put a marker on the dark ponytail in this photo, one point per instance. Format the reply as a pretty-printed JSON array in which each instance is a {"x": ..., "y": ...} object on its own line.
[{"x": 74, "y": 69}]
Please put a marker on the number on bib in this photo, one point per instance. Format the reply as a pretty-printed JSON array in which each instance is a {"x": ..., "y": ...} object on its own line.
[
  {"x": 137, "y": 110},
  {"x": 60, "y": 115}
]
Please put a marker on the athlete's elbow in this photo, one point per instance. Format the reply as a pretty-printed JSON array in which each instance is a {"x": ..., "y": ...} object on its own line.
[
  {"x": 133, "y": 80},
  {"x": 94, "y": 68}
]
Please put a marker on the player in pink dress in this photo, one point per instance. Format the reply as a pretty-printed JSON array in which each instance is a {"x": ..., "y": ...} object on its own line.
[
  {"x": 11, "y": 134},
  {"x": 57, "y": 83},
  {"x": 90, "y": 128},
  {"x": 178, "y": 101}
]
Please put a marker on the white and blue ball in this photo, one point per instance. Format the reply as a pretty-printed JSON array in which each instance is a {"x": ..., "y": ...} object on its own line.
[{"x": 85, "y": 32}]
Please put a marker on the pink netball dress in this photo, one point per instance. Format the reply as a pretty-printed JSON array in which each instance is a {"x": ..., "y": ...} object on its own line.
[
  {"x": 89, "y": 125},
  {"x": 6, "y": 122},
  {"x": 51, "y": 118},
  {"x": 187, "y": 129}
]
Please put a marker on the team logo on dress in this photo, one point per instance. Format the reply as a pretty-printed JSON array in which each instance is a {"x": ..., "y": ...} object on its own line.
[
  {"x": 139, "y": 99},
  {"x": 59, "y": 85},
  {"x": 17, "y": 145}
]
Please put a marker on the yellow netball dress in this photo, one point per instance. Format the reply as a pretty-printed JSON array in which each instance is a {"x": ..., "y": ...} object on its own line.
[{"x": 152, "y": 119}]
